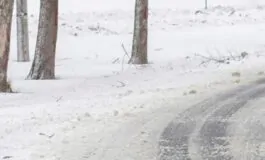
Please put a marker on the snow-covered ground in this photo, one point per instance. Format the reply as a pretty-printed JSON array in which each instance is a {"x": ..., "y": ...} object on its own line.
[{"x": 100, "y": 108}]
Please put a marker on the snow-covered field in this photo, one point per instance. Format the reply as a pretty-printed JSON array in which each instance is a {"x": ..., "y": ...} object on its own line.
[{"x": 100, "y": 108}]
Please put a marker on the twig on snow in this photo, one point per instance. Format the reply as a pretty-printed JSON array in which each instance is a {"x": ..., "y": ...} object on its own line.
[
  {"x": 208, "y": 59},
  {"x": 48, "y": 136},
  {"x": 223, "y": 59},
  {"x": 121, "y": 84},
  {"x": 125, "y": 54},
  {"x": 115, "y": 60},
  {"x": 58, "y": 99}
]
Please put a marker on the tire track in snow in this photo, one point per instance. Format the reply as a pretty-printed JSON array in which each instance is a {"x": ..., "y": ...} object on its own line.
[
  {"x": 174, "y": 141},
  {"x": 212, "y": 139}
]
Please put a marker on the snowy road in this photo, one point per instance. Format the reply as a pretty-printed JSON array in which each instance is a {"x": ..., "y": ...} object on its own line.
[
  {"x": 225, "y": 127},
  {"x": 101, "y": 108}
]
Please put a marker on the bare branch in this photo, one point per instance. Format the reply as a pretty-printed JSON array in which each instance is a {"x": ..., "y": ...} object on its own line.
[
  {"x": 124, "y": 49},
  {"x": 125, "y": 54},
  {"x": 211, "y": 58},
  {"x": 115, "y": 60},
  {"x": 222, "y": 59}
]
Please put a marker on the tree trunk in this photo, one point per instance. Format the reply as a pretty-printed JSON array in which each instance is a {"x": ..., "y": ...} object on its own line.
[
  {"x": 22, "y": 31},
  {"x": 6, "y": 11},
  {"x": 43, "y": 66},
  {"x": 139, "y": 47}
]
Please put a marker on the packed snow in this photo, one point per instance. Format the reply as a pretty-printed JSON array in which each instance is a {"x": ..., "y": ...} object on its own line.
[{"x": 101, "y": 108}]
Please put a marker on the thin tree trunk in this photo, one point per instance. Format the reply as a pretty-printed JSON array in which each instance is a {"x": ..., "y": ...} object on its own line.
[
  {"x": 43, "y": 66},
  {"x": 22, "y": 31},
  {"x": 6, "y": 11},
  {"x": 139, "y": 47}
]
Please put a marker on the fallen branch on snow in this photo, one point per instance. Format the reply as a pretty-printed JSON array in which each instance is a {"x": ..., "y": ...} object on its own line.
[{"x": 222, "y": 59}]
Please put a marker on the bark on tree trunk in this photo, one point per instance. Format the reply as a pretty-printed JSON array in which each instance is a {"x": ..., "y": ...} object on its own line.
[
  {"x": 6, "y": 10},
  {"x": 22, "y": 31},
  {"x": 43, "y": 66},
  {"x": 140, "y": 36}
]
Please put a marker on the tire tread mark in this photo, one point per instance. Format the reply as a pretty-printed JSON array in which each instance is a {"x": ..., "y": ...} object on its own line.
[{"x": 174, "y": 140}]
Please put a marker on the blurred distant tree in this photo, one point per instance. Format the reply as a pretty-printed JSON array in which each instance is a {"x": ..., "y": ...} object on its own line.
[{"x": 22, "y": 31}]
